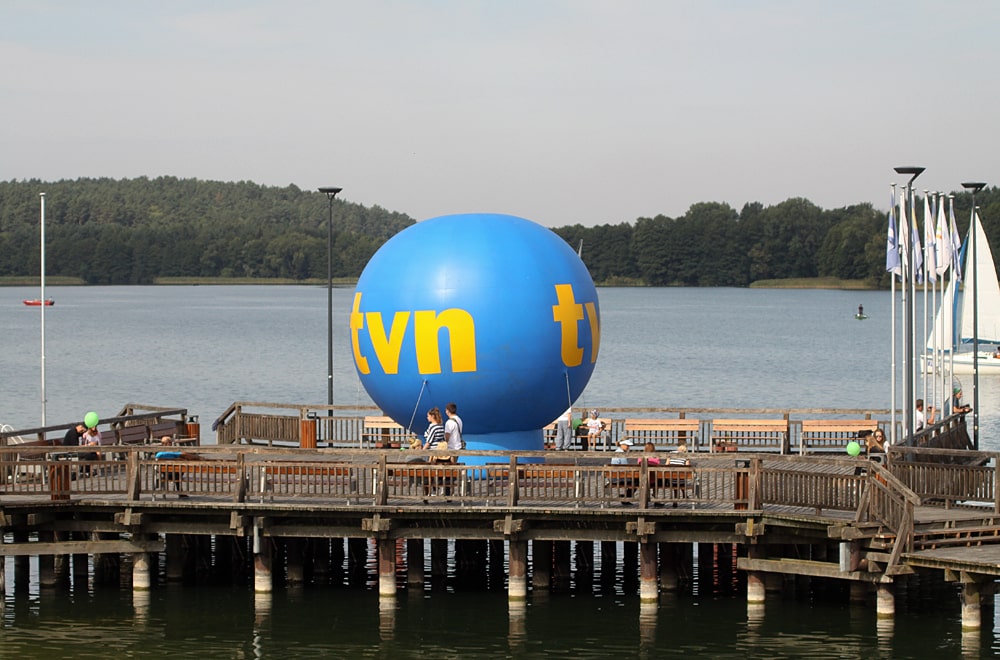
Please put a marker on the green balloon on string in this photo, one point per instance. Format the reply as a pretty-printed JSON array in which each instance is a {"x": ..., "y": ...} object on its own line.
[
  {"x": 90, "y": 420},
  {"x": 853, "y": 448}
]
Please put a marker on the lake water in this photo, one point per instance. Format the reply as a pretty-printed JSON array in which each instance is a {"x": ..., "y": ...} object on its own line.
[{"x": 205, "y": 347}]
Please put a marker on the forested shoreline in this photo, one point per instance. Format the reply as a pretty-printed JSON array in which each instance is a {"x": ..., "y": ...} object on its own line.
[{"x": 132, "y": 231}]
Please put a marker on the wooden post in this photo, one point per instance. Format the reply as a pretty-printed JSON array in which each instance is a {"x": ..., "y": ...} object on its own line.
[
  {"x": 541, "y": 565},
  {"x": 517, "y": 581},
  {"x": 307, "y": 433},
  {"x": 415, "y": 563},
  {"x": 46, "y": 563},
  {"x": 141, "y": 580},
  {"x": 386, "y": 568},
  {"x": 971, "y": 604},
  {"x": 885, "y": 602},
  {"x": 262, "y": 563},
  {"x": 648, "y": 588}
]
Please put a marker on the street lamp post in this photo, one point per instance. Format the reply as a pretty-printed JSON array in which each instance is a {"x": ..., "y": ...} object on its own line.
[
  {"x": 909, "y": 343},
  {"x": 974, "y": 187},
  {"x": 330, "y": 193}
]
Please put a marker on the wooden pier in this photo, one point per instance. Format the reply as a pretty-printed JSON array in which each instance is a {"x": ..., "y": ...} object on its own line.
[{"x": 273, "y": 510}]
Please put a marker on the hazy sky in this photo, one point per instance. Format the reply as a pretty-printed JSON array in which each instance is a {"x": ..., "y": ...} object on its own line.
[{"x": 560, "y": 111}]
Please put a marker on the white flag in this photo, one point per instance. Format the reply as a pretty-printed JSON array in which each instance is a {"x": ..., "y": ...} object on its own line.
[
  {"x": 956, "y": 242},
  {"x": 942, "y": 237},
  {"x": 930, "y": 246}
]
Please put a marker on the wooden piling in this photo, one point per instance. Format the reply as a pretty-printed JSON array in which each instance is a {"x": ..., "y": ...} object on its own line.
[
  {"x": 386, "y": 568},
  {"x": 517, "y": 581},
  {"x": 648, "y": 586}
]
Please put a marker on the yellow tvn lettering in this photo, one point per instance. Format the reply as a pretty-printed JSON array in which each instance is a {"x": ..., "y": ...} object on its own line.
[
  {"x": 427, "y": 327},
  {"x": 568, "y": 313}
]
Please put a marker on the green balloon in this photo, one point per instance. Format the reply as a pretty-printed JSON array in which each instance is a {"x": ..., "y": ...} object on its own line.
[
  {"x": 853, "y": 448},
  {"x": 90, "y": 420}
]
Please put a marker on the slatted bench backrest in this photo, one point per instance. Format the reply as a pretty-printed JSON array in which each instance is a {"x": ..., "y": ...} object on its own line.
[{"x": 750, "y": 435}]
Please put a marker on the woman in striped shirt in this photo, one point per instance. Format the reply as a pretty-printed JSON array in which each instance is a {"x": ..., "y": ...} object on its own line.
[{"x": 435, "y": 429}]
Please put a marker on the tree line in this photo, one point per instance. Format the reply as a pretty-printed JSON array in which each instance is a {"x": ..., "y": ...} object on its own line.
[{"x": 131, "y": 231}]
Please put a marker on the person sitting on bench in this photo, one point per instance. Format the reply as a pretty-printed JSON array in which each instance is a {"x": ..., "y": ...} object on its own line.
[{"x": 173, "y": 476}]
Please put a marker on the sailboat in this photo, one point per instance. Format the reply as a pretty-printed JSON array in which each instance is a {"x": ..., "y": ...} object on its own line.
[{"x": 961, "y": 303}]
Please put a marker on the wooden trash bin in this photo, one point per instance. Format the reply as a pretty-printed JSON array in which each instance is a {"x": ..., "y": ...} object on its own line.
[{"x": 59, "y": 480}]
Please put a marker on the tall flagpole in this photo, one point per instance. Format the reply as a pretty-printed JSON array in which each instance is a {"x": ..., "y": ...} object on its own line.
[
  {"x": 908, "y": 311},
  {"x": 42, "y": 294},
  {"x": 892, "y": 315},
  {"x": 974, "y": 188}
]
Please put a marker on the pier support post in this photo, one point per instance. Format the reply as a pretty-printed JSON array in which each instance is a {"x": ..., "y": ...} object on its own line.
[
  {"x": 971, "y": 604},
  {"x": 22, "y": 565},
  {"x": 387, "y": 568},
  {"x": 541, "y": 565},
  {"x": 263, "y": 558},
  {"x": 141, "y": 579},
  {"x": 648, "y": 587},
  {"x": 859, "y": 592},
  {"x": 756, "y": 592},
  {"x": 885, "y": 601},
  {"x": 584, "y": 582},
  {"x": 415, "y": 563},
  {"x": 61, "y": 567},
  {"x": 517, "y": 581},
  {"x": 81, "y": 564},
  {"x": 46, "y": 563}
]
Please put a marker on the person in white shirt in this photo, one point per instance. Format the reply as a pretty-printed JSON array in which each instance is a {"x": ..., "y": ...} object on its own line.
[
  {"x": 564, "y": 433},
  {"x": 453, "y": 428}
]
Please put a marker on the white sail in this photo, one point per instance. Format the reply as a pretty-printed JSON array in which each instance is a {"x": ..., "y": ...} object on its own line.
[
  {"x": 987, "y": 291},
  {"x": 944, "y": 322}
]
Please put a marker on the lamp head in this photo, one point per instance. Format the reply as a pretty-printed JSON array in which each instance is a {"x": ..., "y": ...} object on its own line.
[
  {"x": 973, "y": 186},
  {"x": 330, "y": 190}
]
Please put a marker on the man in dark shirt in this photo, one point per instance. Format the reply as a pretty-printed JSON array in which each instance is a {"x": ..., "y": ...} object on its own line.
[{"x": 72, "y": 437}]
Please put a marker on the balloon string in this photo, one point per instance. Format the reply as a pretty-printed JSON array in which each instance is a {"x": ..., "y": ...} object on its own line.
[{"x": 409, "y": 427}]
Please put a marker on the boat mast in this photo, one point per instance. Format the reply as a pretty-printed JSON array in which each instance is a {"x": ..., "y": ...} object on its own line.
[{"x": 42, "y": 293}]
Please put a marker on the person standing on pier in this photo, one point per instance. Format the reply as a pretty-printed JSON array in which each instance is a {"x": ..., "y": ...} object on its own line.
[
  {"x": 564, "y": 433},
  {"x": 453, "y": 428},
  {"x": 435, "y": 429},
  {"x": 920, "y": 420},
  {"x": 74, "y": 436}
]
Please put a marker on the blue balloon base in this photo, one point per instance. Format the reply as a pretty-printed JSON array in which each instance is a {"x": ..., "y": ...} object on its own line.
[{"x": 510, "y": 441}]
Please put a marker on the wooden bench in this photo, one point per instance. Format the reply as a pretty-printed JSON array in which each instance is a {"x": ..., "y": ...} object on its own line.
[
  {"x": 172, "y": 428},
  {"x": 383, "y": 432},
  {"x": 667, "y": 483},
  {"x": 663, "y": 433},
  {"x": 832, "y": 435},
  {"x": 300, "y": 480},
  {"x": 421, "y": 480},
  {"x": 133, "y": 435},
  {"x": 750, "y": 435},
  {"x": 206, "y": 476}
]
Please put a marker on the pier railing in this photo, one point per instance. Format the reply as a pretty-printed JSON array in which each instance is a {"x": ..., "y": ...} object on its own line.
[
  {"x": 278, "y": 424},
  {"x": 380, "y": 478},
  {"x": 948, "y": 476}
]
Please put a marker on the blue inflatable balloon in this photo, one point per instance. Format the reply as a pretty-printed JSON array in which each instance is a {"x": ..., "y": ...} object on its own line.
[{"x": 492, "y": 312}]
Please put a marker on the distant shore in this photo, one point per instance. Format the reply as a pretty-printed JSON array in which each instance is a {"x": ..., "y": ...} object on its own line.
[{"x": 58, "y": 280}]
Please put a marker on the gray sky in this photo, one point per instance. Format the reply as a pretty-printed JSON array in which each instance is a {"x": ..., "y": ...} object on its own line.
[{"x": 560, "y": 111}]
